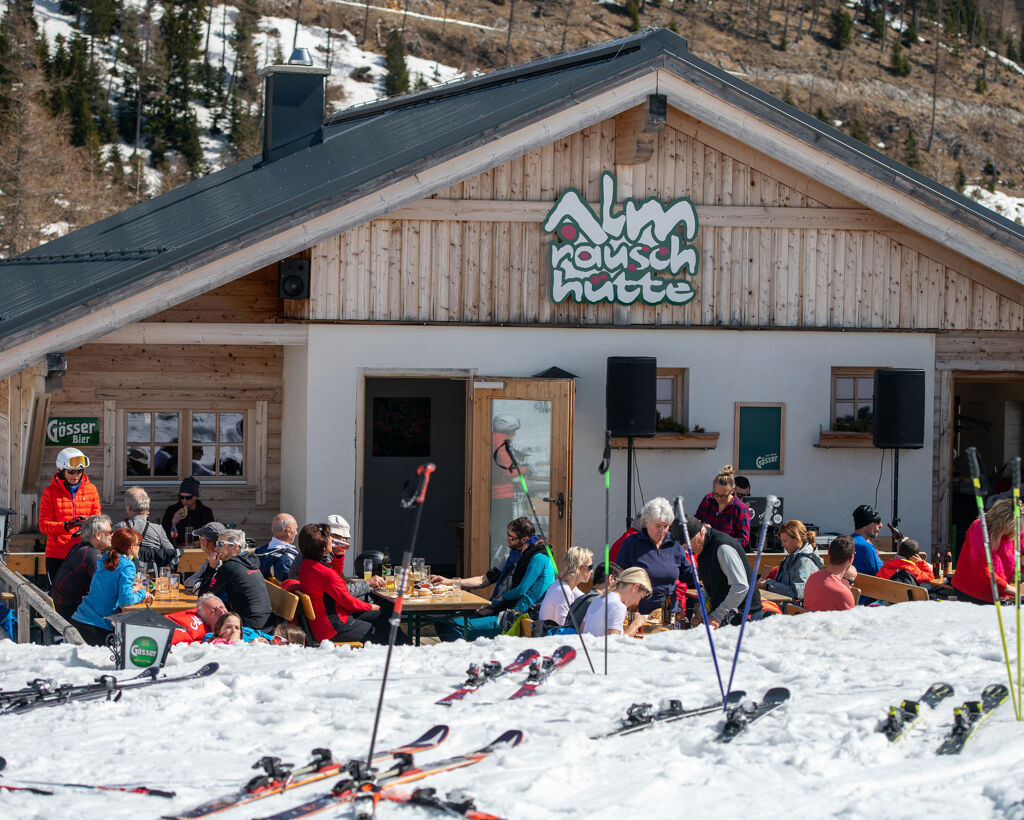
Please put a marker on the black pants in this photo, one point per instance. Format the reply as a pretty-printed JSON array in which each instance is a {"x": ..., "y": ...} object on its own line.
[
  {"x": 92, "y": 635},
  {"x": 53, "y": 566},
  {"x": 65, "y": 611},
  {"x": 370, "y": 627}
]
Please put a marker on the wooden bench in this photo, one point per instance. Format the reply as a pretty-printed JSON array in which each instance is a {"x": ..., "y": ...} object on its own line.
[
  {"x": 770, "y": 560},
  {"x": 892, "y": 592}
]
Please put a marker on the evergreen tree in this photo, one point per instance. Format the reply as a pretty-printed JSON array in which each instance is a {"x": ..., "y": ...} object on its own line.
[
  {"x": 243, "y": 97},
  {"x": 397, "y": 79},
  {"x": 181, "y": 35},
  {"x": 842, "y": 29},
  {"x": 961, "y": 178},
  {"x": 911, "y": 155},
  {"x": 858, "y": 131},
  {"x": 102, "y": 18},
  {"x": 633, "y": 11},
  {"x": 898, "y": 61}
]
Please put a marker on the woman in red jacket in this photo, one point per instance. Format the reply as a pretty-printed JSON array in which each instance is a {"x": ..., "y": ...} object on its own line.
[
  {"x": 338, "y": 616},
  {"x": 68, "y": 500},
  {"x": 972, "y": 580}
]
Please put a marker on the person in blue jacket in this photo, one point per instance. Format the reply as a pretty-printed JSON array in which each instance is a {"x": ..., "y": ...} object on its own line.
[
  {"x": 867, "y": 523},
  {"x": 113, "y": 586},
  {"x": 518, "y": 585},
  {"x": 654, "y": 550}
]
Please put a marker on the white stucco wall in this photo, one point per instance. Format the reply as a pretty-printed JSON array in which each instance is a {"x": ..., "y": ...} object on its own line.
[
  {"x": 818, "y": 485},
  {"x": 298, "y": 396}
]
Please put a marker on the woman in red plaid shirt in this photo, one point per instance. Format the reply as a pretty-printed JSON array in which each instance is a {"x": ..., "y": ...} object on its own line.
[{"x": 723, "y": 511}]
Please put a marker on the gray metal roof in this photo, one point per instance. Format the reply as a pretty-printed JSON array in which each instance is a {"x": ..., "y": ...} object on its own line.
[{"x": 371, "y": 146}]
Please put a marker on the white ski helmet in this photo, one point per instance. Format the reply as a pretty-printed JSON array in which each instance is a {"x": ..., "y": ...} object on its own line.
[{"x": 71, "y": 458}]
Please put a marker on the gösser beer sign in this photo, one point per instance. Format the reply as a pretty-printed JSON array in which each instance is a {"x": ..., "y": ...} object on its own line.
[{"x": 642, "y": 251}]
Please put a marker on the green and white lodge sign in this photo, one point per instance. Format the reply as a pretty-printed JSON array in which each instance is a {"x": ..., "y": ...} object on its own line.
[{"x": 643, "y": 251}]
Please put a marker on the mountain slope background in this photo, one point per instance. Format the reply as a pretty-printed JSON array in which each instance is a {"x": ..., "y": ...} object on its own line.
[{"x": 106, "y": 102}]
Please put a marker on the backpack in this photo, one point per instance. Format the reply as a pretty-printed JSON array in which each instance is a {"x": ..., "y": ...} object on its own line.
[{"x": 904, "y": 577}]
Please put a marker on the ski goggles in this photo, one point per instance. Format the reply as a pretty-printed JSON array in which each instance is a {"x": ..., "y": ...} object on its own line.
[{"x": 77, "y": 463}]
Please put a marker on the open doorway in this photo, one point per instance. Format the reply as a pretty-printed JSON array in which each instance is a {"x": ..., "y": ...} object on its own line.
[
  {"x": 410, "y": 421},
  {"x": 988, "y": 413}
]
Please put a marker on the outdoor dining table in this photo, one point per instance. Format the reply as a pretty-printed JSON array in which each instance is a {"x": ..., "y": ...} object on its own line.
[
  {"x": 166, "y": 602},
  {"x": 420, "y": 611}
]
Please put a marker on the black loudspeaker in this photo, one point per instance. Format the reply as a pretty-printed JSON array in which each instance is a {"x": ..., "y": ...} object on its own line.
[
  {"x": 899, "y": 409},
  {"x": 630, "y": 397},
  {"x": 293, "y": 279}
]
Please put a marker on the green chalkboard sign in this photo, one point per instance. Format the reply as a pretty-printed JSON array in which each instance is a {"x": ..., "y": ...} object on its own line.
[{"x": 760, "y": 438}]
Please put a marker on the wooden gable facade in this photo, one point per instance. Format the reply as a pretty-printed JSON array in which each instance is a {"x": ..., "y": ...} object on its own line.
[{"x": 777, "y": 248}]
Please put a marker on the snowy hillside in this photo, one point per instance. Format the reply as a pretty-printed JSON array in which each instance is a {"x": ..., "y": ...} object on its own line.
[
  {"x": 335, "y": 50},
  {"x": 820, "y": 756}
]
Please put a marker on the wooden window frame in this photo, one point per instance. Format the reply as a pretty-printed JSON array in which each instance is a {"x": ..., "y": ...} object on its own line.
[
  {"x": 254, "y": 447},
  {"x": 680, "y": 394},
  {"x": 846, "y": 373}
]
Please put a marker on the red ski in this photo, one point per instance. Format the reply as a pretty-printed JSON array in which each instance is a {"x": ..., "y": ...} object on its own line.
[
  {"x": 477, "y": 675},
  {"x": 541, "y": 669}
]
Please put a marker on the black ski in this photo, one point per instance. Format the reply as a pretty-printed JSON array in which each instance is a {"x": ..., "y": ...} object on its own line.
[
  {"x": 738, "y": 718},
  {"x": 279, "y": 777},
  {"x": 543, "y": 668},
  {"x": 364, "y": 787},
  {"x": 901, "y": 719},
  {"x": 45, "y": 687},
  {"x": 477, "y": 675},
  {"x": 641, "y": 716},
  {"x": 107, "y": 687},
  {"x": 969, "y": 716}
]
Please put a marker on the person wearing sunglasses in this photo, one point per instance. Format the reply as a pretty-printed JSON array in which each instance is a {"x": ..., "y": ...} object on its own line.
[
  {"x": 190, "y": 511},
  {"x": 577, "y": 568},
  {"x": 237, "y": 581},
  {"x": 66, "y": 502}
]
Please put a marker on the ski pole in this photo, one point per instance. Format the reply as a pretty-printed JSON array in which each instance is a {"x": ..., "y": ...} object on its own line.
[
  {"x": 413, "y": 498},
  {"x": 1016, "y": 575},
  {"x": 514, "y": 469},
  {"x": 766, "y": 516},
  {"x": 606, "y": 469},
  {"x": 972, "y": 457},
  {"x": 677, "y": 507}
]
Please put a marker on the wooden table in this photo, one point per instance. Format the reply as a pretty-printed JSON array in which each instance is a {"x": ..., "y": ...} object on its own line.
[
  {"x": 164, "y": 603},
  {"x": 420, "y": 611}
]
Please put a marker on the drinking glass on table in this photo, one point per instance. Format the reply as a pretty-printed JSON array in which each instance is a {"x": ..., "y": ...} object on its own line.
[
  {"x": 456, "y": 587},
  {"x": 175, "y": 579},
  {"x": 367, "y": 569},
  {"x": 164, "y": 579},
  {"x": 189, "y": 539},
  {"x": 426, "y": 572}
]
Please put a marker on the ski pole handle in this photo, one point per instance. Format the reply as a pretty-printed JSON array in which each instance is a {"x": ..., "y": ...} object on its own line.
[
  {"x": 972, "y": 458},
  {"x": 419, "y": 486}
]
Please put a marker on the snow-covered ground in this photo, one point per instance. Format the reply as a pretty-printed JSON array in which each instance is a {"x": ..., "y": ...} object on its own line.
[
  {"x": 820, "y": 756},
  {"x": 1010, "y": 207}
]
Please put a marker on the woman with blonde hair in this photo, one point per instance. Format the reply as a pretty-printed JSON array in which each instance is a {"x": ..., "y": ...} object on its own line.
[
  {"x": 802, "y": 560},
  {"x": 971, "y": 579},
  {"x": 723, "y": 511},
  {"x": 577, "y": 568},
  {"x": 632, "y": 586}
]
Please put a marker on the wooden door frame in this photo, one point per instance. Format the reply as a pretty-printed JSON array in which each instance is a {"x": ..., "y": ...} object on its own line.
[{"x": 479, "y": 462}]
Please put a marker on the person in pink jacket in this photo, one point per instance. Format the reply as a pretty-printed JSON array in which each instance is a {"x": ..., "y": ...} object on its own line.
[{"x": 971, "y": 579}]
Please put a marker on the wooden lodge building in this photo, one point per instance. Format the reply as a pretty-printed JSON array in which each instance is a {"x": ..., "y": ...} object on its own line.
[{"x": 475, "y": 253}]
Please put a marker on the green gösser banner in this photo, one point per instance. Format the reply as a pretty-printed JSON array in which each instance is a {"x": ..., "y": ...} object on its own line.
[
  {"x": 77, "y": 432},
  {"x": 760, "y": 438}
]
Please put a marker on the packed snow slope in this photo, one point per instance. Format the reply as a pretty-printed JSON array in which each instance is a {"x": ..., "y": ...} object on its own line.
[{"x": 819, "y": 756}]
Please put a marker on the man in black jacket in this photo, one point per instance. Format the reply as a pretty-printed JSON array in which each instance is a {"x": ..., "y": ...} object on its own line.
[
  {"x": 724, "y": 573},
  {"x": 238, "y": 580},
  {"x": 75, "y": 574}
]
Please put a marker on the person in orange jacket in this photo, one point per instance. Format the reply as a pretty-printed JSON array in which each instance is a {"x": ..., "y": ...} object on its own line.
[
  {"x": 909, "y": 558},
  {"x": 68, "y": 500}
]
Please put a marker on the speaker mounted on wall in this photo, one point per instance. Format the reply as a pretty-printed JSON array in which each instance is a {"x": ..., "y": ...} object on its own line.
[
  {"x": 630, "y": 396},
  {"x": 899, "y": 409},
  {"x": 293, "y": 279}
]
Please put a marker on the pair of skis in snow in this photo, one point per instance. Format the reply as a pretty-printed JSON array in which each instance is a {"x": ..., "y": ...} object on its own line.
[
  {"x": 967, "y": 717},
  {"x": 739, "y": 714},
  {"x": 43, "y": 693},
  {"x": 540, "y": 669},
  {"x": 364, "y": 787}
]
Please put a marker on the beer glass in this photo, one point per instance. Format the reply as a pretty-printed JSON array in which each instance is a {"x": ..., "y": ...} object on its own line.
[
  {"x": 175, "y": 579},
  {"x": 367, "y": 569}
]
